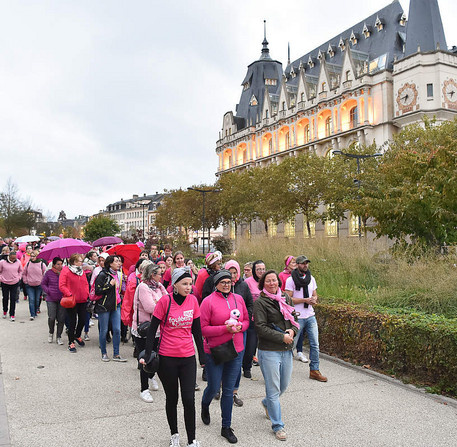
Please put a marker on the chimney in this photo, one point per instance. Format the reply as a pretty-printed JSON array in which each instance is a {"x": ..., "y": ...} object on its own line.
[{"x": 144, "y": 194}]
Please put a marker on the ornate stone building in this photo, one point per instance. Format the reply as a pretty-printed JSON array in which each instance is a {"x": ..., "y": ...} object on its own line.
[{"x": 364, "y": 84}]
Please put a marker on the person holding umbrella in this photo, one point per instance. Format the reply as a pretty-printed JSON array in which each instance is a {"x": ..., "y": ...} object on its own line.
[
  {"x": 108, "y": 307},
  {"x": 73, "y": 282}
]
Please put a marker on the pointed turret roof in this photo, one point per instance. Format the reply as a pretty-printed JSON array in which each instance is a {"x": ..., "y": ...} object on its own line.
[{"x": 424, "y": 28}]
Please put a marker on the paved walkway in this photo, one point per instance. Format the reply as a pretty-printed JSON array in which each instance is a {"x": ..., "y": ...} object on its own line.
[{"x": 54, "y": 398}]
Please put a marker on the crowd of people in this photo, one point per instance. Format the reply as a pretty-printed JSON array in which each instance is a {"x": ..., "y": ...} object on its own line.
[{"x": 232, "y": 318}]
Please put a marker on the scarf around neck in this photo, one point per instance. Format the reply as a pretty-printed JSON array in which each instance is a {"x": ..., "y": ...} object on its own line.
[
  {"x": 301, "y": 282},
  {"x": 76, "y": 269},
  {"x": 152, "y": 284},
  {"x": 285, "y": 308}
]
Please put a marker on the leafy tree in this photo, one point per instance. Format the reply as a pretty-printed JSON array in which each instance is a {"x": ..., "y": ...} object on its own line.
[
  {"x": 100, "y": 226},
  {"x": 15, "y": 213},
  {"x": 415, "y": 196}
]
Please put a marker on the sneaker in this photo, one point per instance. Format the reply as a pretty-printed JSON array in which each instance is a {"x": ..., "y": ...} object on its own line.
[
  {"x": 4, "y": 315},
  {"x": 13, "y": 318},
  {"x": 316, "y": 375},
  {"x": 153, "y": 385},
  {"x": 206, "y": 418},
  {"x": 105, "y": 358},
  {"x": 227, "y": 433},
  {"x": 255, "y": 361},
  {"x": 197, "y": 387},
  {"x": 59, "y": 341},
  {"x": 302, "y": 357},
  {"x": 195, "y": 443},
  {"x": 247, "y": 374},
  {"x": 174, "y": 440},
  {"x": 38, "y": 311},
  {"x": 80, "y": 341},
  {"x": 32, "y": 318},
  {"x": 25, "y": 297},
  {"x": 91, "y": 323},
  {"x": 146, "y": 396},
  {"x": 237, "y": 401},
  {"x": 118, "y": 358},
  {"x": 86, "y": 336},
  {"x": 204, "y": 377},
  {"x": 50, "y": 338},
  {"x": 72, "y": 347},
  {"x": 281, "y": 435}
]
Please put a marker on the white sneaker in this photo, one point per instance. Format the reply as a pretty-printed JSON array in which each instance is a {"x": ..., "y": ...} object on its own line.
[
  {"x": 86, "y": 336},
  {"x": 146, "y": 396},
  {"x": 302, "y": 357},
  {"x": 174, "y": 440},
  {"x": 91, "y": 323},
  {"x": 32, "y": 318},
  {"x": 153, "y": 385},
  {"x": 50, "y": 338},
  {"x": 59, "y": 341},
  {"x": 195, "y": 443}
]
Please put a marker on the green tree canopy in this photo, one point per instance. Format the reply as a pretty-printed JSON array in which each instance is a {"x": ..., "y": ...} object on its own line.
[{"x": 100, "y": 226}]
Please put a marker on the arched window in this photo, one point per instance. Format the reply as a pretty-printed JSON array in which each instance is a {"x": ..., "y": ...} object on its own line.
[
  {"x": 284, "y": 105},
  {"x": 306, "y": 133},
  {"x": 324, "y": 87},
  {"x": 287, "y": 140},
  {"x": 266, "y": 114},
  {"x": 327, "y": 126},
  {"x": 270, "y": 146}
]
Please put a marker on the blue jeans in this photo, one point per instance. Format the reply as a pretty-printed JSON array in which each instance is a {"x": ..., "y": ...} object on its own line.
[
  {"x": 227, "y": 373},
  {"x": 276, "y": 367},
  {"x": 104, "y": 318},
  {"x": 34, "y": 293},
  {"x": 237, "y": 383},
  {"x": 310, "y": 326}
]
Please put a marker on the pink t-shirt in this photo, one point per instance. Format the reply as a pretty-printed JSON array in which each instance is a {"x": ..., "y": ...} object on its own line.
[{"x": 177, "y": 332}]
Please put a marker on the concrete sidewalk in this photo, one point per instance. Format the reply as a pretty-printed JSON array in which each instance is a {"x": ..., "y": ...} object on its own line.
[{"x": 55, "y": 398}]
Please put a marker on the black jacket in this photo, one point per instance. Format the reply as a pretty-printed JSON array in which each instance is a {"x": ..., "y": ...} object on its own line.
[
  {"x": 108, "y": 301},
  {"x": 241, "y": 288}
]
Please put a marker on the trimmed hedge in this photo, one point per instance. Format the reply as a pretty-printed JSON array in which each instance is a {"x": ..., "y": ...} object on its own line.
[{"x": 415, "y": 347}]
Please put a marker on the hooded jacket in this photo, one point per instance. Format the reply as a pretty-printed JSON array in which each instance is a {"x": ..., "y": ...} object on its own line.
[{"x": 240, "y": 287}]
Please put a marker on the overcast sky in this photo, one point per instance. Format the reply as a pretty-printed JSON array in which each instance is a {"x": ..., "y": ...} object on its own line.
[{"x": 103, "y": 99}]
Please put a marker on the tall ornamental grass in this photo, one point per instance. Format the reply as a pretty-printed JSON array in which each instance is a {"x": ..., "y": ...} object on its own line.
[{"x": 364, "y": 272}]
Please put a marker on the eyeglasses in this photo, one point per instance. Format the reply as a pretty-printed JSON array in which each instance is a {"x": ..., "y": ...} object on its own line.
[{"x": 226, "y": 283}]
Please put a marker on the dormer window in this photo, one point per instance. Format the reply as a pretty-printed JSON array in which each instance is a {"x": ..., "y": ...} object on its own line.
[
  {"x": 330, "y": 51},
  {"x": 270, "y": 81},
  {"x": 341, "y": 44},
  {"x": 284, "y": 105},
  {"x": 366, "y": 31},
  {"x": 302, "y": 97},
  {"x": 324, "y": 87},
  {"x": 301, "y": 66},
  {"x": 320, "y": 55},
  {"x": 402, "y": 20},
  {"x": 292, "y": 72},
  {"x": 253, "y": 101},
  {"x": 246, "y": 85},
  {"x": 267, "y": 115},
  {"x": 378, "y": 24},
  {"x": 353, "y": 39},
  {"x": 310, "y": 62}
]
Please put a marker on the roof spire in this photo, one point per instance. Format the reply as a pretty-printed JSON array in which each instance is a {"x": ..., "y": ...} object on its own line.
[
  {"x": 265, "y": 51},
  {"x": 288, "y": 53}
]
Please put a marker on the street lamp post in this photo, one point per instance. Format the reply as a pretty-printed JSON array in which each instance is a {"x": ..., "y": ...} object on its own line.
[
  {"x": 143, "y": 203},
  {"x": 203, "y": 192},
  {"x": 358, "y": 157}
]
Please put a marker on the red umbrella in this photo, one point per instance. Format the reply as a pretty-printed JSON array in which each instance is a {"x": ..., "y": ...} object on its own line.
[
  {"x": 130, "y": 252},
  {"x": 64, "y": 248}
]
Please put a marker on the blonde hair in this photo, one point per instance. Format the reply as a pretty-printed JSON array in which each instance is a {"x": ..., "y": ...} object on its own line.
[{"x": 74, "y": 257}]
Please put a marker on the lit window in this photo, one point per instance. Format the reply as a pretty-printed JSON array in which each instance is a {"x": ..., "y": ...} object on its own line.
[
  {"x": 232, "y": 230},
  {"x": 312, "y": 227},
  {"x": 353, "y": 118},
  {"x": 327, "y": 126},
  {"x": 272, "y": 228},
  {"x": 354, "y": 225},
  {"x": 331, "y": 228},
  {"x": 366, "y": 31},
  {"x": 324, "y": 87},
  {"x": 378, "y": 24},
  {"x": 306, "y": 132},
  {"x": 341, "y": 44},
  {"x": 353, "y": 38},
  {"x": 289, "y": 228},
  {"x": 253, "y": 101}
]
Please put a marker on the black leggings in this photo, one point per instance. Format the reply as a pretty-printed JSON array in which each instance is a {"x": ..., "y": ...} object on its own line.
[
  {"x": 140, "y": 344},
  {"x": 184, "y": 369},
  {"x": 250, "y": 348},
  {"x": 74, "y": 330},
  {"x": 9, "y": 292}
]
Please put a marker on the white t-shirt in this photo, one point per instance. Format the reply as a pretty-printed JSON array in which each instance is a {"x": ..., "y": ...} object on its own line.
[{"x": 305, "y": 312}]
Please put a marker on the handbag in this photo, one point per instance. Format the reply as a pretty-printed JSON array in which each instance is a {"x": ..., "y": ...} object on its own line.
[
  {"x": 225, "y": 352},
  {"x": 141, "y": 329},
  {"x": 68, "y": 302},
  {"x": 151, "y": 365}
]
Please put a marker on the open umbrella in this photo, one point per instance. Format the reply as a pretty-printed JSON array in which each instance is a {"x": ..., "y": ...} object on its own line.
[
  {"x": 53, "y": 238},
  {"x": 26, "y": 239},
  {"x": 130, "y": 252},
  {"x": 108, "y": 240},
  {"x": 64, "y": 248}
]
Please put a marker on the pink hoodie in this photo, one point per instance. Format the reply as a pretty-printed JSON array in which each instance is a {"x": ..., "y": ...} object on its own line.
[
  {"x": 214, "y": 313},
  {"x": 33, "y": 273},
  {"x": 10, "y": 273},
  {"x": 233, "y": 264},
  {"x": 144, "y": 302}
]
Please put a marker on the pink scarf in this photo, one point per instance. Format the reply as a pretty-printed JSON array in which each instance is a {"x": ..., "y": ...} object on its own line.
[{"x": 285, "y": 309}]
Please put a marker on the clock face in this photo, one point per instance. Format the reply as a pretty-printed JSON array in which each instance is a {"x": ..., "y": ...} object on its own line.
[
  {"x": 407, "y": 97},
  {"x": 450, "y": 91}
]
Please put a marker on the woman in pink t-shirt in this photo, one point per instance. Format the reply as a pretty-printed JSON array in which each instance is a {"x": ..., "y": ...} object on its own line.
[{"x": 178, "y": 315}]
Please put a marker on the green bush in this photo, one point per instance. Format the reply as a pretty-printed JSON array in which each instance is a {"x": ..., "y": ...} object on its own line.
[{"x": 413, "y": 346}]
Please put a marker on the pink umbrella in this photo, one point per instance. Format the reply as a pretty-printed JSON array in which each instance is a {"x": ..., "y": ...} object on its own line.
[{"x": 63, "y": 248}]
